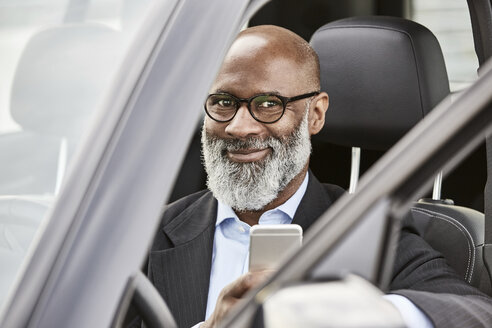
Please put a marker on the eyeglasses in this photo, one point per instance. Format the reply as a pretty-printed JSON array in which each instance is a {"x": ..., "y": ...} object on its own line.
[{"x": 265, "y": 108}]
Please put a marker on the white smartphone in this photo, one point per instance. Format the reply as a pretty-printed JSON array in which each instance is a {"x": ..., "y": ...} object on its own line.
[{"x": 270, "y": 244}]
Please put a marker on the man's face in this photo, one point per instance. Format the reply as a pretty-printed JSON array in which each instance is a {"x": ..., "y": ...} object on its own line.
[{"x": 248, "y": 163}]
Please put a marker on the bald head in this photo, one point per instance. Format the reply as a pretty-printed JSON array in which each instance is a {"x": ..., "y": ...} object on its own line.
[{"x": 266, "y": 43}]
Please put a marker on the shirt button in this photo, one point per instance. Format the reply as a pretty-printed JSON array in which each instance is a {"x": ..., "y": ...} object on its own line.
[{"x": 241, "y": 229}]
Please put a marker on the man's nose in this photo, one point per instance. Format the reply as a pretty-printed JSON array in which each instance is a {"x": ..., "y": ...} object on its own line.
[{"x": 243, "y": 125}]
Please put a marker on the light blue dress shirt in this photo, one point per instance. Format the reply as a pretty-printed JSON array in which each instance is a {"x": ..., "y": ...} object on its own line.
[{"x": 230, "y": 255}]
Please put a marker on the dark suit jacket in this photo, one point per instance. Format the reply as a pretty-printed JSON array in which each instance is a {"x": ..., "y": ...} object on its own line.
[{"x": 181, "y": 257}]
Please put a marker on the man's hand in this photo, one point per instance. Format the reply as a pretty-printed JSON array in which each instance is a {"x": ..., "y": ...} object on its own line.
[{"x": 232, "y": 293}]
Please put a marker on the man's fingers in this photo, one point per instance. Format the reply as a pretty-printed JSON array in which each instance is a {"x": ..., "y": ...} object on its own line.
[
  {"x": 240, "y": 286},
  {"x": 232, "y": 293},
  {"x": 237, "y": 288}
]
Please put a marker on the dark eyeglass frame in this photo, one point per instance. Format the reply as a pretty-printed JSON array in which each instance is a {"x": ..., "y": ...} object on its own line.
[{"x": 239, "y": 101}]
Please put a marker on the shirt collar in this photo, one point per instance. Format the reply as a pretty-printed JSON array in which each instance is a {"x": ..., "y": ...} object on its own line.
[{"x": 289, "y": 207}]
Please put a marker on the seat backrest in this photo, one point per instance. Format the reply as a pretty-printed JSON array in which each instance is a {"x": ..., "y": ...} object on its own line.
[
  {"x": 55, "y": 85},
  {"x": 383, "y": 75}
]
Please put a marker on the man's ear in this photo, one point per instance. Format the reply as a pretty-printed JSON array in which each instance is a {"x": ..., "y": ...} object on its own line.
[{"x": 317, "y": 112}]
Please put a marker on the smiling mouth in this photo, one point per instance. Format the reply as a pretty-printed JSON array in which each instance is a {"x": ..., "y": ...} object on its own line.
[{"x": 248, "y": 155}]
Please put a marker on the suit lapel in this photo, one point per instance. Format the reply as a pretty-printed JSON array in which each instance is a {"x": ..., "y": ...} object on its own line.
[
  {"x": 182, "y": 273},
  {"x": 314, "y": 203}
]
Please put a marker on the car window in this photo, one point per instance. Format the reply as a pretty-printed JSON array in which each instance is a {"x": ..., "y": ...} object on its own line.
[
  {"x": 58, "y": 60},
  {"x": 449, "y": 20}
]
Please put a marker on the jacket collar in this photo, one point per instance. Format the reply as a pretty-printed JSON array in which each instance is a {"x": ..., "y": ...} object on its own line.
[
  {"x": 314, "y": 203},
  {"x": 193, "y": 221}
]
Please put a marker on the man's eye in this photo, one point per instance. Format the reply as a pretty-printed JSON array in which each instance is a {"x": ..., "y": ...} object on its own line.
[
  {"x": 225, "y": 103},
  {"x": 268, "y": 104}
]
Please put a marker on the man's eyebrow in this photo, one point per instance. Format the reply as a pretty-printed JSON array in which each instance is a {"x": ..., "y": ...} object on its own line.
[
  {"x": 222, "y": 91},
  {"x": 271, "y": 92}
]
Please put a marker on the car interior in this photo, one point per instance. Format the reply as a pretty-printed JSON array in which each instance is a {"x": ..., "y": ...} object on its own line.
[
  {"x": 369, "y": 112},
  {"x": 460, "y": 233}
]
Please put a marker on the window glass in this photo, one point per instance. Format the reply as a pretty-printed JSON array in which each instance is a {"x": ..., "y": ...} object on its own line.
[
  {"x": 58, "y": 60},
  {"x": 450, "y": 21}
]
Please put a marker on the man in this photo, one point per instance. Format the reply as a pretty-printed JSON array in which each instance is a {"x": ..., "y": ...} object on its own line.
[{"x": 263, "y": 107}]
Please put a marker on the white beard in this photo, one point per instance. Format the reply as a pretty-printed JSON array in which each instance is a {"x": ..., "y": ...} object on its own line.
[{"x": 252, "y": 186}]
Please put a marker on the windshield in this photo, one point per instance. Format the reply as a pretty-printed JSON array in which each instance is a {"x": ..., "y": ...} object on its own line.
[{"x": 58, "y": 60}]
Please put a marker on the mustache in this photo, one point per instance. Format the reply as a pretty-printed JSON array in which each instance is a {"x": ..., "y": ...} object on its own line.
[{"x": 234, "y": 144}]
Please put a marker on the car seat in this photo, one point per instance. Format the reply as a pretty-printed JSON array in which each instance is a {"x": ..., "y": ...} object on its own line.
[{"x": 383, "y": 75}]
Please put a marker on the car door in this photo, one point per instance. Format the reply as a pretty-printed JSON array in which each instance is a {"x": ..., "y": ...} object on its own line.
[{"x": 101, "y": 219}]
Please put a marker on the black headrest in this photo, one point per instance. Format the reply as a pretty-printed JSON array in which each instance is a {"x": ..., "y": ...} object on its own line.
[
  {"x": 383, "y": 74},
  {"x": 61, "y": 77}
]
